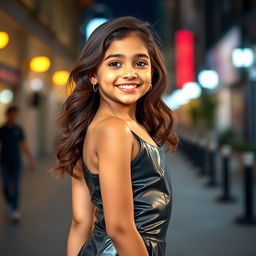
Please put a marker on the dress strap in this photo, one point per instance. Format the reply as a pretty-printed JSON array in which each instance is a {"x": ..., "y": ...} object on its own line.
[{"x": 140, "y": 139}]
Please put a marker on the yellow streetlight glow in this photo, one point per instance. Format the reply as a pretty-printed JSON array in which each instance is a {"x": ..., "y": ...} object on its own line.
[
  {"x": 40, "y": 64},
  {"x": 60, "y": 78},
  {"x": 4, "y": 39},
  {"x": 70, "y": 88}
]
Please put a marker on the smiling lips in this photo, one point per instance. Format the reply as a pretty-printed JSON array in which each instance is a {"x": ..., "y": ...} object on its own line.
[{"x": 129, "y": 87}]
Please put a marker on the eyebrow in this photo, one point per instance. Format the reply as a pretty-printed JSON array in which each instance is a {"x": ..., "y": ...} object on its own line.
[{"x": 139, "y": 55}]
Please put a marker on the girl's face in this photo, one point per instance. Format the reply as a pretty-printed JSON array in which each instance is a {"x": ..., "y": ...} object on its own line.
[{"x": 125, "y": 74}]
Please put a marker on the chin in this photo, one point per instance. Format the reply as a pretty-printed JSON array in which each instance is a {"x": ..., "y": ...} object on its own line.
[{"x": 128, "y": 101}]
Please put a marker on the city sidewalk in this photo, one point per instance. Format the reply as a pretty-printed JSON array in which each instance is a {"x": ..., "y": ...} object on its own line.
[
  {"x": 199, "y": 226},
  {"x": 46, "y": 216}
]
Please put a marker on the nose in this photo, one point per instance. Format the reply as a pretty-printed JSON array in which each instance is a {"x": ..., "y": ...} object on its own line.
[{"x": 129, "y": 73}]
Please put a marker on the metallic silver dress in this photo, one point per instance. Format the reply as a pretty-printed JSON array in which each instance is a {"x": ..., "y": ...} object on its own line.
[{"x": 152, "y": 195}]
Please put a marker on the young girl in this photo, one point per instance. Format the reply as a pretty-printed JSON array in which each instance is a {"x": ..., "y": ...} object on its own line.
[{"x": 114, "y": 127}]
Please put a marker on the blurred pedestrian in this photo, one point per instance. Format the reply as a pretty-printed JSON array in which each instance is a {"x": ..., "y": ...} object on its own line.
[{"x": 12, "y": 140}]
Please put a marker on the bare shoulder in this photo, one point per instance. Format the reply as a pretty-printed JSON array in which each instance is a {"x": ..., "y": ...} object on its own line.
[
  {"x": 107, "y": 125},
  {"x": 112, "y": 125},
  {"x": 113, "y": 129}
]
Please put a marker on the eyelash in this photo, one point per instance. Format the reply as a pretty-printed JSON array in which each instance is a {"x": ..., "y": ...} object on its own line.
[
  {"x": 144, "y": 63},
  {"x": 114, "y": 62}
]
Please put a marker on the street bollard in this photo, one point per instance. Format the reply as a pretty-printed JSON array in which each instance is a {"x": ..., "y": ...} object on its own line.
[
  {"x": 226, "y": 197},
  {"x": 194, "y": 151},
  {"x": 186, "y": 147},
  {"x": 248, "y": 217},
  {"x": 191, "y": 148},
  {"x": 203, "y": 157},
  {"x": 212, "y": 166},
  {"x": 197, "y": 154}
]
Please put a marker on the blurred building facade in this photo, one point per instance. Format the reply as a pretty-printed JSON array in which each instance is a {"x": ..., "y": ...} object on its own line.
[
  {"x": 228, "y": 26},
  {"x": 37, "y": 28},
  {"x": 53, "y": 29},
  {"x": 219, "y": 27}
]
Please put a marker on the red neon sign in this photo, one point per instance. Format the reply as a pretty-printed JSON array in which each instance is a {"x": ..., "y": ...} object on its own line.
[{"x": 185, "y": 72}]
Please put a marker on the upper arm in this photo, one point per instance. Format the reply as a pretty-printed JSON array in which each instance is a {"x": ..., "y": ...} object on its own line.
[
  {"x": 22, "y": 135},
  {"x": 82, "y": 207},
  {"x": 114, "y": 147}
]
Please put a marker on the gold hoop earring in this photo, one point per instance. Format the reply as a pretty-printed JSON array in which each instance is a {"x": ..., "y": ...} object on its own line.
[{"x": 94, "y": 87}]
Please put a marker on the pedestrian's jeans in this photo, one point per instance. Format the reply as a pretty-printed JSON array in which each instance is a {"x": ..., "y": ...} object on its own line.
[{"x": 11, "y": 174}]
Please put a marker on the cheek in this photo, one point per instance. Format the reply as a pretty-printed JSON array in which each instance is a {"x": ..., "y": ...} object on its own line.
[
  {"x": 147, "y": 75},
  {"x": 105, "y": 76},
  {"x": 109, "y": 76}
]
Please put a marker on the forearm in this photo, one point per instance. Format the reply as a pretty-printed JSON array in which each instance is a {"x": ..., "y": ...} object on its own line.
[
  {"x": 76, "y": 238},
  {"x": 129, "y": 243},
  {"x": 26, "y": 150}
]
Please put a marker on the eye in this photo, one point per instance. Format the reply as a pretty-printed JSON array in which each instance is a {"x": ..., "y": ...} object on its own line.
[
  {"x": 114, "y": 64},
  {"x": 141, "y": 63}
]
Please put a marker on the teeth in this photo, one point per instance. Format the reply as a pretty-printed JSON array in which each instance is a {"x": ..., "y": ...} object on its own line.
[{"x": 128, "y": 86}]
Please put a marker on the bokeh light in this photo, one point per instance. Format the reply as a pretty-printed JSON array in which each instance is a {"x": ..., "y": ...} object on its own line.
[
  {"x": 176, "y": 99},
  {"x": 6, "y": 96},
  {"x": 4, "y": 39},
  {"x": 208, "y": 79},
  {"x": 93, "y": 24},
  {"x": 60, "y": 78},
  {"x": 36, "y": 84},
  {"x": 192, "y": 90},
  {"x": 40, "y": 64},
  {"x": 242, "y": 57}
]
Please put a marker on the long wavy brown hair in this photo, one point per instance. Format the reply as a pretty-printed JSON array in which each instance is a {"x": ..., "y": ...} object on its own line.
[{"x": 82, "y": 104}]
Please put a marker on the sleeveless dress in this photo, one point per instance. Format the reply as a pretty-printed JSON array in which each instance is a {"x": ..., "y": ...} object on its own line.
[{"x": 152, "y": 194}]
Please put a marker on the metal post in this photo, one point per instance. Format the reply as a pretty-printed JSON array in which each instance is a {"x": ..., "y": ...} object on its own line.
[
  {"x": 212, "y": 165},
  {"x": 203, "y": 157},
  {"x": 226, "y": 197},
  {"x": 248, "y": 217}
]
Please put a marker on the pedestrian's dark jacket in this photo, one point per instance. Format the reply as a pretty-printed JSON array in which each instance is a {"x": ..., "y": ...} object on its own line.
[{"x": 10, "y": 138}]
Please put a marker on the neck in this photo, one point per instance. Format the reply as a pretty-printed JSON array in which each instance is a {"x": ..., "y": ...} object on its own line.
[
  {"x": 122, "y": 111},
  {"x": 9, "y": 123}
]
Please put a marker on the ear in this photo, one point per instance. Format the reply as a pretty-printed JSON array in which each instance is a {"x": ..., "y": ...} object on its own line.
[{"x": 93, "y": 79}]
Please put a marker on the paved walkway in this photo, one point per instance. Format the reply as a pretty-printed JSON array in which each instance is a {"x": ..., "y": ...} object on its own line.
[
  {"x": 46, "y": 213},
  {"x": 199, "y": 226}
]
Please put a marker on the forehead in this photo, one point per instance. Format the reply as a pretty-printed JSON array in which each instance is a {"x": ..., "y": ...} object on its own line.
[{"x": 130, "y": 45}]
